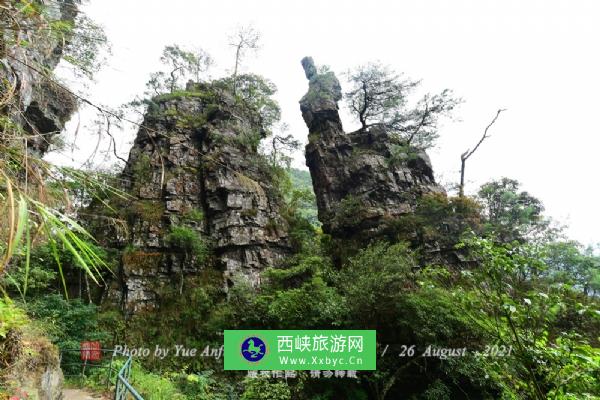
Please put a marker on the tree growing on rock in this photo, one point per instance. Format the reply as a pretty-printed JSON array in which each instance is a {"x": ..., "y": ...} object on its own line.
[
  {"x": 182, "y": 65},
  {"x": 380, "y": 97},
  {"x": 256, "y": 92},
  {"x": 280, "y": 147}
]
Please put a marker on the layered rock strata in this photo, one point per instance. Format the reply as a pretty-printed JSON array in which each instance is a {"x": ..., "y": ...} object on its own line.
[{"x": 195, "y": 175}]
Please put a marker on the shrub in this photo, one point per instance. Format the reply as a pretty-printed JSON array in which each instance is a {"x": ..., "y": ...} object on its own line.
[
  {"x": 152, "y": 386},
  {"x": 203, "y": 386},
  {"x": 188, "y": 241},
  {"x": 264, "y": 389},
  {"x": 437, "y": 219},
  {"x": 194, "y": 215},
  {"x": 348, "y": 211},
  {"x": 11, "y": 317}
]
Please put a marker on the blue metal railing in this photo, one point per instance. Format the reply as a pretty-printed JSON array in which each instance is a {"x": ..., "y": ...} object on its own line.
[{"x": 123, "y": 387}]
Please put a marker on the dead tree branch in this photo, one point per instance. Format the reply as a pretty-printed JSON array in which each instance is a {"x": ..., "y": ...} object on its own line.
[{"x": 465, "y": 156}]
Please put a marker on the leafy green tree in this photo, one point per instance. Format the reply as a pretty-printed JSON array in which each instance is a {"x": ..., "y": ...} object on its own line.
[
  {"x": 182, "y": 65},
  {"x": 384, "y": 290},
  {"x": 256, "y": 93},
  {"x": 299, "y": 294},
  {"x": 379, "y": 97},
  {"x": 374, "y": 279},
  {"x": 87, "y": 46},
  {"x": 191, "y": 244},
  {"x": 280, "y": 147},
  {"x": 589, "y": 271},
  {"x": 594, "y": 283},
  {"x": 511, "y": 214},
  {"x": 569, "y": 262},
  {"x": 301, "y": 182}
]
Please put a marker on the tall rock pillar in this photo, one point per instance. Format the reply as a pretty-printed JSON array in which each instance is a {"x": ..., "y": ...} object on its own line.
[{"x": 359, "y": 186}]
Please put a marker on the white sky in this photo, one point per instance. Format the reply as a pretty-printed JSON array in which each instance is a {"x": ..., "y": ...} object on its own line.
[{"x": 539, "y": 59}]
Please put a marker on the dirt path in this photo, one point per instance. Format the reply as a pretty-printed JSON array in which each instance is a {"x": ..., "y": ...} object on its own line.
[{"x": 78, "y": 394}]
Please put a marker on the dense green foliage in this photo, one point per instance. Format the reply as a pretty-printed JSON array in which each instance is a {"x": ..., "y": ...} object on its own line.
[
  {"x": 263, "y": 389},
  {"x": 511, "y": 214},
  {"x": 307, "y": 203},
  {"x": 12, "y": 317},
  {"x": 67, "y": 324},
  {"x": 508, "y": 297},
  {"x": 523, "y": 309}
]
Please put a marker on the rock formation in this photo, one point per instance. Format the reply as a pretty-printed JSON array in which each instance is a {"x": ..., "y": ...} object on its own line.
[
  {"x": 359, "y": 186},
  {"x": 36, "y": 103},
  {"x": 34, "y": 367},
  {"x": 196, "y": 176}
]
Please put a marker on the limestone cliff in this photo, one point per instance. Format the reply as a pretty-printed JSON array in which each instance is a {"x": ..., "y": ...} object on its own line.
[
  {"x": 359, "y": 186},
  {"x": 33, "y": 101},
  {"x": 194, "y": 171}
]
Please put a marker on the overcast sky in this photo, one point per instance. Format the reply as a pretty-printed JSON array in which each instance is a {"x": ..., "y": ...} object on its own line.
[{"x": 538, "y": 59}]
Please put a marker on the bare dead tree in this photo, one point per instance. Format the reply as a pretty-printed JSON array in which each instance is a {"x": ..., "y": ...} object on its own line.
[
  {"x": 465, "y": 156},
  {"x": 244, "y": 39}
]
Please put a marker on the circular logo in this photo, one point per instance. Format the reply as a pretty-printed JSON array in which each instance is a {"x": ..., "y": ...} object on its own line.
[{"x": 253, "y": 349}]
